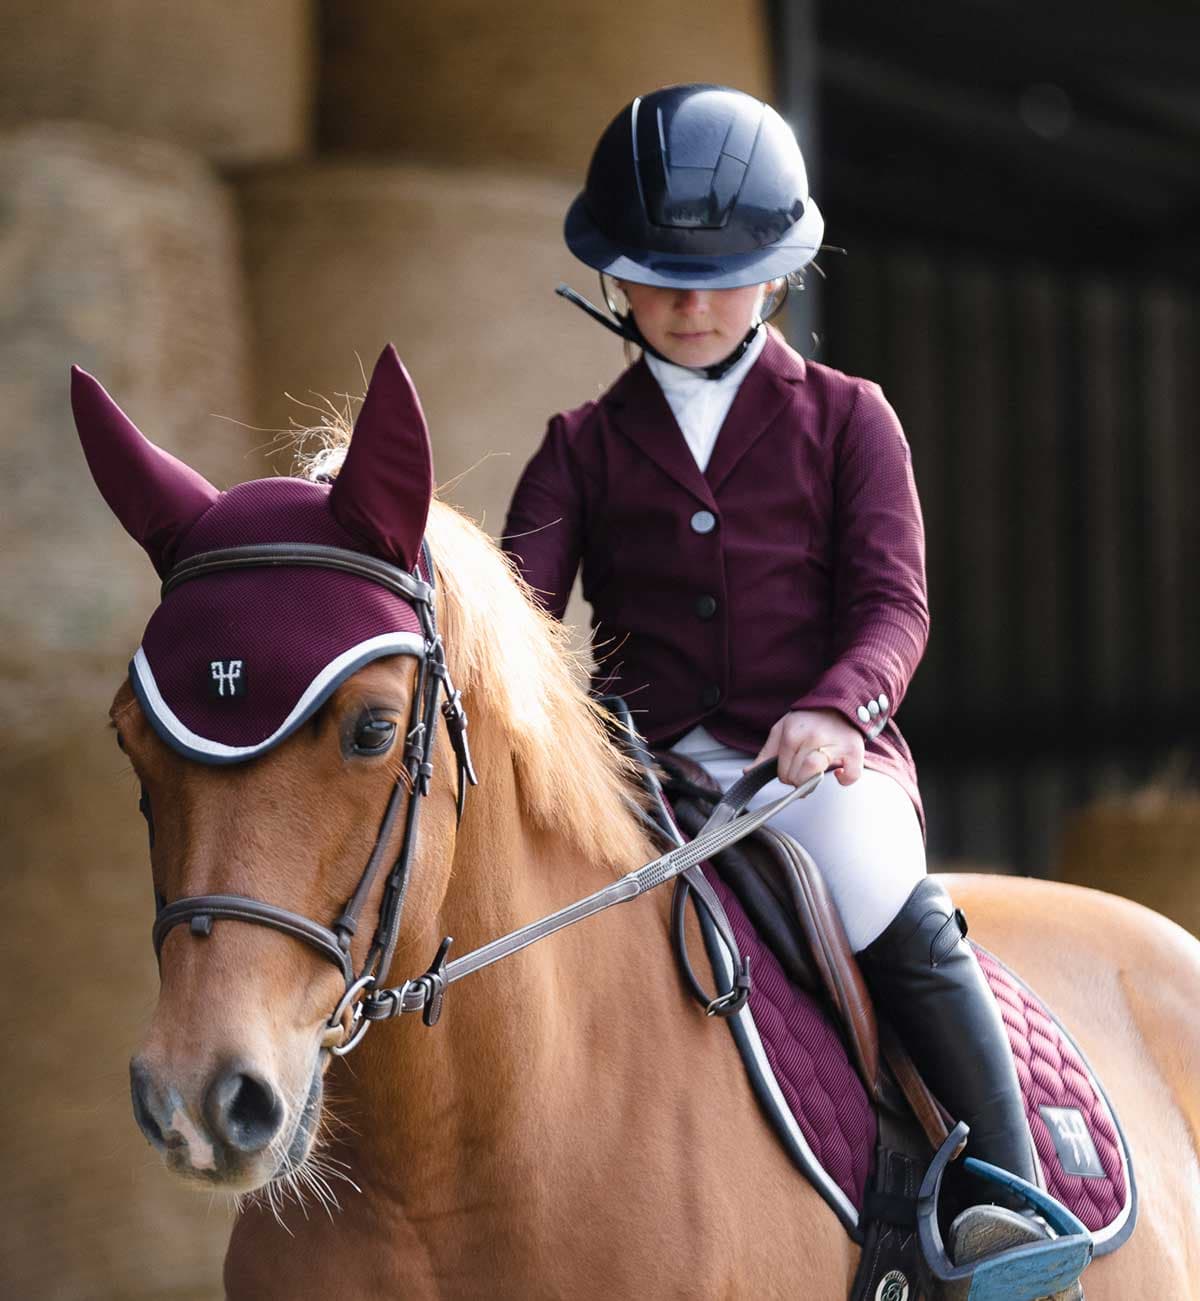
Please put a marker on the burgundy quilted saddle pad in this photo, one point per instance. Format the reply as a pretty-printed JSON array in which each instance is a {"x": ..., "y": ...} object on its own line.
[{"x": 1084, "y": 1159}]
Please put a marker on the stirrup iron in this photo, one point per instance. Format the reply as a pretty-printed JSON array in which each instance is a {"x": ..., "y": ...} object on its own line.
[{"x": 1023, "y": 1273}]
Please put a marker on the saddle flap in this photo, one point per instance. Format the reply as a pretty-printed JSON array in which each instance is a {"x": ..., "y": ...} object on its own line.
[{"x": 836, "y": 963}]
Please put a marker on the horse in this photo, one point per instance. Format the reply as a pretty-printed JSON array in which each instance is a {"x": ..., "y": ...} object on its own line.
[{"x": 574, "y": 1125}]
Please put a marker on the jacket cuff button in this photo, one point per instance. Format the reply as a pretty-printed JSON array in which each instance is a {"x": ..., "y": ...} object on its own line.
[
  {"x": 864, "y": 714},
  {"x": 710, "y": 696}
]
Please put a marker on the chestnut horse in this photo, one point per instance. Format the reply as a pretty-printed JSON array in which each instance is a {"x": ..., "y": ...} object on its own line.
[{"x": 574, "y": 1126}]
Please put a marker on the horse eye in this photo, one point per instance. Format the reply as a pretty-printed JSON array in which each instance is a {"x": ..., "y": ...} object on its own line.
[
  {"x": 374, "y": 736},
  {"x": 120, "y": 743}
]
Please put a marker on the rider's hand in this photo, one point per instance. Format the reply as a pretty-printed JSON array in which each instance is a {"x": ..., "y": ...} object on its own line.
[{"x": 809, "y": 741}]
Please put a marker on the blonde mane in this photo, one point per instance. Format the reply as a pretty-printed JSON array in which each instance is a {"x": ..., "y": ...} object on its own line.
[
  {"x": 508, "y": 657},
  {"x": 503, "y": 649}
]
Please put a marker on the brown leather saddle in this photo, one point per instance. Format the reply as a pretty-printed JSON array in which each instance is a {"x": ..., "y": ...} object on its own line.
[{"x": 784, "y": 894}]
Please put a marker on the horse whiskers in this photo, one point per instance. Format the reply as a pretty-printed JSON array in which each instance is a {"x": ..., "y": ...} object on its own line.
[
  {"x": 332, "y": 1124},
  {"x": 315, "y": 1174}
]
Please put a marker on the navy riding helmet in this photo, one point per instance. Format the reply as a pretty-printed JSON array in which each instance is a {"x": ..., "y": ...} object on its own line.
[{"x": 696, "y": 187}]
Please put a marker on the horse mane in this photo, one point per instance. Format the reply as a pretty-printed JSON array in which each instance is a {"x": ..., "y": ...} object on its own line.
[{"x": 503, "y": 649}]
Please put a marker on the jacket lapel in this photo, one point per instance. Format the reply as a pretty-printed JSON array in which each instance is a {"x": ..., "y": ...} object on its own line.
[
  {"x": 641, "y": 412},
  {"x": 763, "y": 394}
]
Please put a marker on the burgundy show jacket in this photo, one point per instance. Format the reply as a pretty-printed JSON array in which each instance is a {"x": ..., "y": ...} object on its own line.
[{"x": 789, "y": 575}]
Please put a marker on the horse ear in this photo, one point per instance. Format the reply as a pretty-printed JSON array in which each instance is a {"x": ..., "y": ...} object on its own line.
[
  {"x": 155, "y": 496},
  {"x": 383, "y": 490}
]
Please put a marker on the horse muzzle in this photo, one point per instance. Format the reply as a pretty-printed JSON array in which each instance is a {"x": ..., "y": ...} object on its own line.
[{"x": 234, "y": 1128}]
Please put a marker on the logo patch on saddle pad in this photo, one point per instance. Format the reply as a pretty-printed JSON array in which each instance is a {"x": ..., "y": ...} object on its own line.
[{"x": 1073, "y": 1142}]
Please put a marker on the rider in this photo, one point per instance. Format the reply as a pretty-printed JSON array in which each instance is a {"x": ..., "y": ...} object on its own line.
[{"x": 753, "y": 551}]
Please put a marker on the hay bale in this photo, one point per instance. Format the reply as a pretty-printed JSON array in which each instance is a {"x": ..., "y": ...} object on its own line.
[
  {"x": 1146, "y": 849},
  {"x": 232, "y": 81},
  {"x": 458, "y": 270},
  {"x": 121, "y": 256},
  {"x": 532, "y": 84},
  {"x": 86, "y": 1209}
]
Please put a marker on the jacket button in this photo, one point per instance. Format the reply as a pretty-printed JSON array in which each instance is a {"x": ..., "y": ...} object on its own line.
[
  {"x": 710, "y": 696},
  {"x": 703, "y": 521},
  {"x": 706, "y": 606}
]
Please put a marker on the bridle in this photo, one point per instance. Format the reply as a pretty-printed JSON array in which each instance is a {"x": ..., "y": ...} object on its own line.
[
  {"x": 363, "y": 1000},
  {"x": 433, "y": 679}
]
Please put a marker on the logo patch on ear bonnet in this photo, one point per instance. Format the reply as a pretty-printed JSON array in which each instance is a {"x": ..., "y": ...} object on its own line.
[{"x": 227, "y": 679}]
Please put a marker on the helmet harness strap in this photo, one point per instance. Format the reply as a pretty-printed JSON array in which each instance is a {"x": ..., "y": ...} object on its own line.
[{"x": 626, "y": 327}]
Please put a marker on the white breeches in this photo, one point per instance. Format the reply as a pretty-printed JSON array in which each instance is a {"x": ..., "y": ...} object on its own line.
[{"x": 865, "y": 838}]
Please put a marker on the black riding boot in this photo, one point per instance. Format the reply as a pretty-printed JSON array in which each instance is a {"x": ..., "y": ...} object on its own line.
[{"x": 926, "y": 982}]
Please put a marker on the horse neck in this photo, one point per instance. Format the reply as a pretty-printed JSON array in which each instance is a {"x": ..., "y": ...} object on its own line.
[{"x": 533, "y": 1037}]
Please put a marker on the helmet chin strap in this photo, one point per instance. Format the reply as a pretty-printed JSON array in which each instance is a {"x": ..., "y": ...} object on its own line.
[{"x": 625, "y": 327}]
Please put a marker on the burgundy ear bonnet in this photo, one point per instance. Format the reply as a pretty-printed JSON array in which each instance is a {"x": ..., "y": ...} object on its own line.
[{"x": 234, "y": 661}]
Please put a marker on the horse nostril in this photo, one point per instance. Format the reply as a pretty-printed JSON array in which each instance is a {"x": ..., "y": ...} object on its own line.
[
  {"x": 140, "y": 1090},
  {"x": 243, "y": 1110}
]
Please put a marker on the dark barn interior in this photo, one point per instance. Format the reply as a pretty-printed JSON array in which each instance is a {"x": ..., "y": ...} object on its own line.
[{"x": 1018, "y": 198}]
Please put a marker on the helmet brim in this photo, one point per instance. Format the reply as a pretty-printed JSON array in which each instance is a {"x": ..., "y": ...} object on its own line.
[{"x": 693, "y": 270}]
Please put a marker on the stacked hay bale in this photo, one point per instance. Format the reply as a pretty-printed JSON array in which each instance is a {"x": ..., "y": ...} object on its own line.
[
  {"x": 119, "y": 251},
  {"x": 457, "y": 268},
  {"x": 230, "y": 81},
  {"x": 1144, "y": 846},
  {"x": 524, "y": 86}
]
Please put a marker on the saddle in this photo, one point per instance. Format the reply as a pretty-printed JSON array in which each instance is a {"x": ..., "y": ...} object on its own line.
[
  {"x": 784, "y": 895},
  {"x": 838, "y": 1087}
]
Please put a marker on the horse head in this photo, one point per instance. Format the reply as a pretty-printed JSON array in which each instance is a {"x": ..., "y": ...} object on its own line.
[{"x": 269, "y": 716}]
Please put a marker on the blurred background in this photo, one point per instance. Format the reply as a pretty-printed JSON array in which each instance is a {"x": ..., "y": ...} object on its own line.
[{"x": 224, "y": 210}]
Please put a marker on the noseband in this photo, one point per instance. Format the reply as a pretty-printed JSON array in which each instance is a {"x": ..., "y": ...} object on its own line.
[{"x": 333, "y": 942}]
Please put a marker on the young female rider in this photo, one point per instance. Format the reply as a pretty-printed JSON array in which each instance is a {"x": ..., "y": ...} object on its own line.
[{"x": 753, "y": 553}]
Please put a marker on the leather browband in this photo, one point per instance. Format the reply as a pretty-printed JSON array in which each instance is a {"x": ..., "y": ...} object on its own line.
[{"x": 291, "y": 555}]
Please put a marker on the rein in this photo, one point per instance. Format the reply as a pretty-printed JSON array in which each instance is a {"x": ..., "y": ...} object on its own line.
[
  {"x": 724, "y": 828},
  {"x": 363, "y": 1001}
]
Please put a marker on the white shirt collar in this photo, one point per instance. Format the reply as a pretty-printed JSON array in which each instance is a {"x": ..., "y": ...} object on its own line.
[
  {"x": 699, "y": 404},
  {"x": 679, "y": 379}
]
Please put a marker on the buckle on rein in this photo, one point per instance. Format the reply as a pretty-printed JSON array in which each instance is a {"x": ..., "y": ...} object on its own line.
[
  {"x": 383, "y": 1004},
  {"x": 1023, "y": 1273}
]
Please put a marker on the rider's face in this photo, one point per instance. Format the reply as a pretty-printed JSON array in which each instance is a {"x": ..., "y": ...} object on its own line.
[{"x": 694, "y": 327}]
